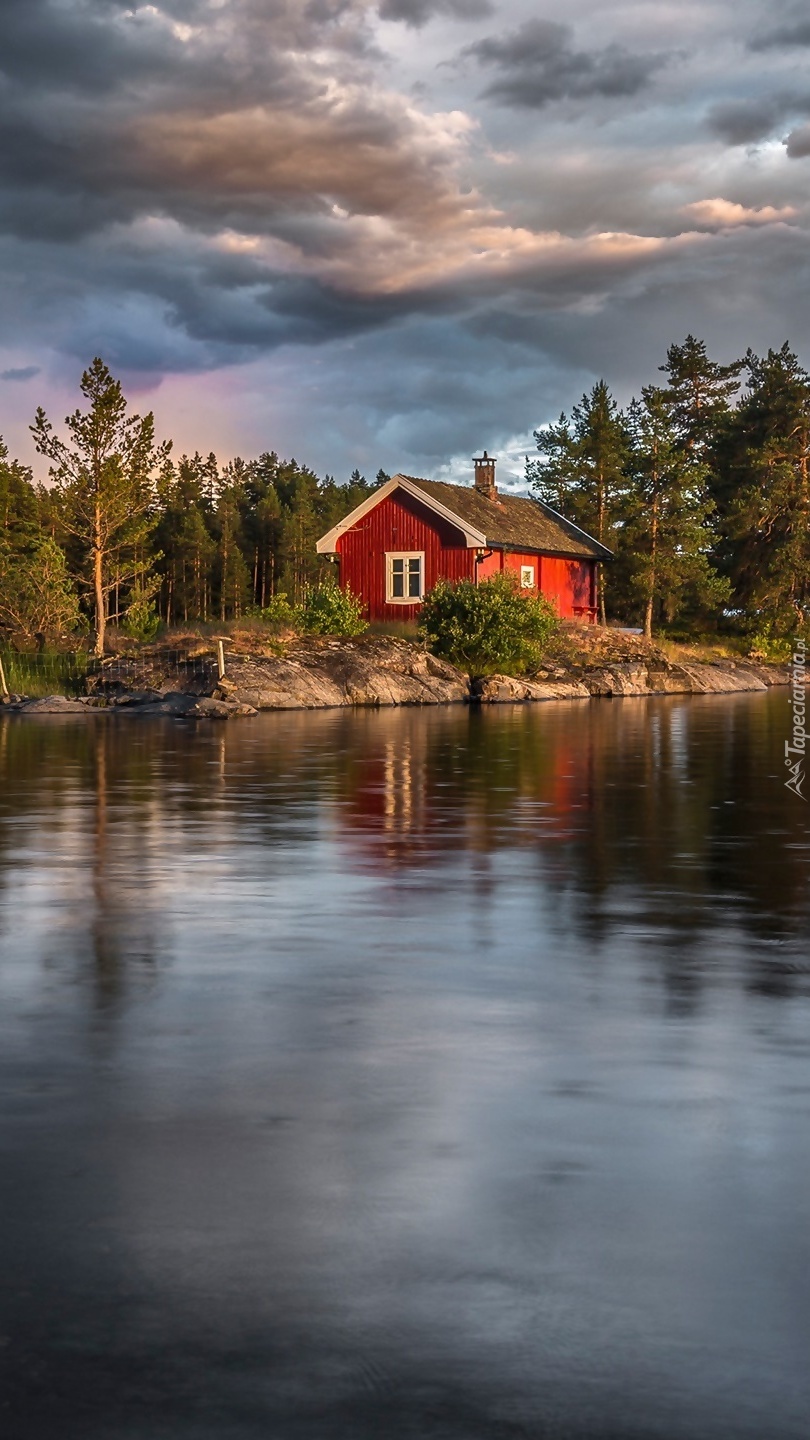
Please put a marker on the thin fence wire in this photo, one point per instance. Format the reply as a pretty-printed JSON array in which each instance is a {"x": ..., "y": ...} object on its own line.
[
  {"x": 45, "y": 673},
  {"x": 73, "y": 673},
  {"x": 150, "y": 671}
]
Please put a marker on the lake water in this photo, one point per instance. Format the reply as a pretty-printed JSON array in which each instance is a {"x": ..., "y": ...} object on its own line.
[{"x": 433, "y": 1075}]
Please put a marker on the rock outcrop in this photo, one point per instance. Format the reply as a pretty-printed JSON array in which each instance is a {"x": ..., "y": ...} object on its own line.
[
  {"x": 631, "y": 678},
  {"x": 317, "y": 675},
  {"x": 177, "y": 704},
  {"x": 506, "y": 690}
]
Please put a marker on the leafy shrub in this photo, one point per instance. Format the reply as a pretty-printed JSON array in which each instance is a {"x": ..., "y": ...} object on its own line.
[
  {"x": 330, "y": 610},
  {"x": 142, "y": 621},
  {"x": 768, "y": 644},
  {"x": 37, "y": 595},
  {"x": 487, "y": 628},
  {"x": 279, "y": 611}
]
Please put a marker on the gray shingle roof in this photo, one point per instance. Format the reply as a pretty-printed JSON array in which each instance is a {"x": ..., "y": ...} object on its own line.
[{"x": 514, "y": 521}]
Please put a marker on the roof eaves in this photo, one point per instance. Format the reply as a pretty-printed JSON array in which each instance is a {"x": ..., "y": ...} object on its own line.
[{"x": 597, "y": 544}]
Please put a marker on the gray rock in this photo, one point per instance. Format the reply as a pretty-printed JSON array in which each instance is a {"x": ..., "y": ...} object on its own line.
[
  {"x": 505, "y": 690},
  {"x": 209, "y": 708},
  {"x": 624, "y": 679},
  {"x": 711, "y": 679},
  {"x": 175, "y": 703},
  {"x": 369, "y": 672},
  {"x": 51, "y": 705}
]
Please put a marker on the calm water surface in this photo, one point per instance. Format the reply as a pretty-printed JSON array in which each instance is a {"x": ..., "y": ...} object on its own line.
[{"x": 430, "y": 1076}]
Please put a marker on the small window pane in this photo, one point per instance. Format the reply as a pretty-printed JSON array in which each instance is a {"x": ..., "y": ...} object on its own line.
[
  {"x": 398, "y": 579},
  {"x": 527, "y": 577},
  {"x": 415, "y": 578}
]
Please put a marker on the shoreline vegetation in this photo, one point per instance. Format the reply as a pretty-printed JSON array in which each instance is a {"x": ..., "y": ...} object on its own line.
[
  {"x": 293, "y": 671},
  {"x": 122, "y": 577}
]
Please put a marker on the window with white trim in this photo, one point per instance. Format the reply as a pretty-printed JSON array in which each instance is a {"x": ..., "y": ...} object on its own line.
[
  {"x": 528, "y": 577},
  {"x": 404, "y": 577}
]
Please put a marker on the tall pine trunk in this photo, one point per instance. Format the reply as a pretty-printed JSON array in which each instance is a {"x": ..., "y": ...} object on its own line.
[
  {"x": 98, "y": 583},
  {"x": 648, "y": 611},
  {"x": 601, "y": 537}
]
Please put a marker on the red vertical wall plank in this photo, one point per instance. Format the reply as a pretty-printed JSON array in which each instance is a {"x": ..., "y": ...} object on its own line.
[{"x": 400, "y": 523}]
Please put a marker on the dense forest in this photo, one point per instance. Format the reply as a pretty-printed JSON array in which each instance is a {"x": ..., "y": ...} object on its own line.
[{"x": 700, "y": 487}]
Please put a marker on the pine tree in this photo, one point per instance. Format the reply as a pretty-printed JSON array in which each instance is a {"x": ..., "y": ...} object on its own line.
[
  {"x": 699, "y": 392},
  {"x": 19, "y": 510},
  {"x": 762, "y": 463},
  {"x": 582, "y": 472},
  {"x": 233, "y": 576},
  {"x": 261, "y": 525},
  {"x": 667, "y": 530},
  {"x": 187, "y": 544},
  {"x": 105, "y": 484},
  {"x": 38, "y": 601}
]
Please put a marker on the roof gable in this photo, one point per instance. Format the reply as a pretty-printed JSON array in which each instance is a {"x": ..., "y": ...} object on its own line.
[
  {"x": 473, "y": 537},
  {"x": 511, "y": 522}
]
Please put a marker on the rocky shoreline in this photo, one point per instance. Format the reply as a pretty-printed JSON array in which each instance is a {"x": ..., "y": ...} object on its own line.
[{"x": 315, "y": 674}]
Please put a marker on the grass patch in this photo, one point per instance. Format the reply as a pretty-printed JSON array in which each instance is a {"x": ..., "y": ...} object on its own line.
[{"x": 45, "y": 673}]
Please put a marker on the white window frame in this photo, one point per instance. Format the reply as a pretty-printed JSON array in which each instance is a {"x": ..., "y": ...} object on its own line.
[
  {"x": 390, "y": 557},
  {"x": 531, "y": 572}
]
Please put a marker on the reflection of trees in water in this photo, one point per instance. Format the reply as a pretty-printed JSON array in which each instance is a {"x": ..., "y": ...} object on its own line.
[
  {"x": 89, "y": 801},
  {"x": 664, "y": 814},
  {"x": 650, "y": 809}
]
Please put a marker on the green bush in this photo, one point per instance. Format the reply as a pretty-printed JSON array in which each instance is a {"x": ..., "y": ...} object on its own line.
[
  {"x": 488, "y": 628},
  {"x": 278, "y": 611},
  {"x": 142, "y": 621},
  {"x": 768, "y": 644},
  {"x": 330, "y": 610},
  {"x": 38, "y": 599}
]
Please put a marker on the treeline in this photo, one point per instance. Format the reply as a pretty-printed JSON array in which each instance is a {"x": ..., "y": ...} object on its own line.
[
  {"x": 126, "y": 535},
  {"x": 700, "y": 487}
]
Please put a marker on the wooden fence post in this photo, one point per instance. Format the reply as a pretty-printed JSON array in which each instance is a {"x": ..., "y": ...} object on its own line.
[{"x": 220, "y": 658}]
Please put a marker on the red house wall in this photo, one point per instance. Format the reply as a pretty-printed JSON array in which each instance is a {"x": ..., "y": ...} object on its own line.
[
  {"x": 569, "y": 584},
  {"x": 400, "y": 523}
]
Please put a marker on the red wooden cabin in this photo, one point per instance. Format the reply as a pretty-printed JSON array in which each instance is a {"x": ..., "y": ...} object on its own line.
[{"x": 410, "y": 533}]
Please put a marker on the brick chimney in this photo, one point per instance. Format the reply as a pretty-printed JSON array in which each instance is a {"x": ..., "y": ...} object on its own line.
[{"x": 485, "y": 476}]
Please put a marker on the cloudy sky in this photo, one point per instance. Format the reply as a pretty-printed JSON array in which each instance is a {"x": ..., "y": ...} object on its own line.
[{"x": 392, "y": 232}]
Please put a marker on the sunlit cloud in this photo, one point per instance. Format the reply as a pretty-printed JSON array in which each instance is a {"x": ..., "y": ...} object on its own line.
[
  {"x": 489, "y": 203},
  {"x": 718, "y": 213}
]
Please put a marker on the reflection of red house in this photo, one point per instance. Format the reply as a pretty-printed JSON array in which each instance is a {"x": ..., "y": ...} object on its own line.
[{"x": 410, "y": 533}]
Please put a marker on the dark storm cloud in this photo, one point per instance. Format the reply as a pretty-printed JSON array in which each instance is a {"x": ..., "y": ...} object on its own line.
[
  {"x": 538, "y": 63},
  {"x": 192, "y": 185},
  {"x": 83, "y": 46},
  {"x": 743, "y": 122},
  {"x": 783, "y": 37},
  {"x": 24, "y": 372},
  {"x": 798, "y": 143},
  {"x": 417, "y": 12}
]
